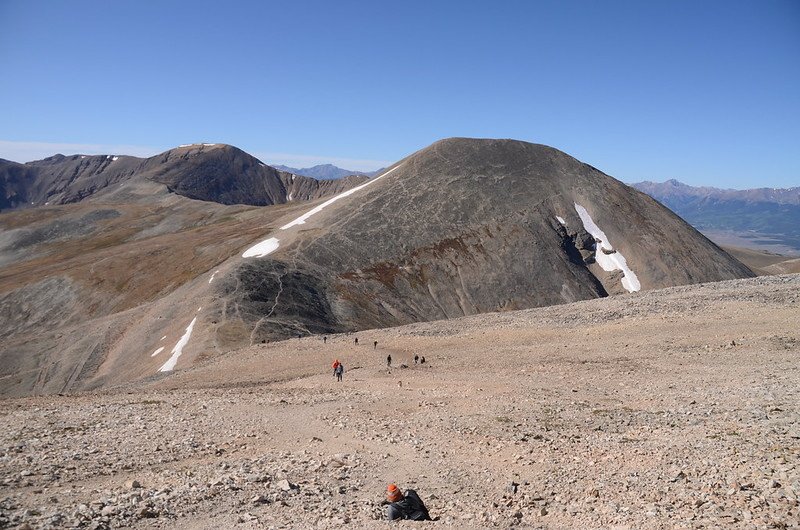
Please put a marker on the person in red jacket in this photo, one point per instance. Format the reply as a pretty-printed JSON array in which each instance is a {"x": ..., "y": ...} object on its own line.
[{"x": 336, "y": 364}]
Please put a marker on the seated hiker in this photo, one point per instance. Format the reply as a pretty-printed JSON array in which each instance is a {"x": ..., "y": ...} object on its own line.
[{"x": 408, "y": 506}]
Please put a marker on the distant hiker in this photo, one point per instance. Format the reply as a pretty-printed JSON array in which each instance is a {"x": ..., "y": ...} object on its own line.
[
  {"x": 324, "y": 340},
  {"x": 375, "y": 345},
  {"x": 298, "y": 336},
  {"x": 389, "y": 360},
  {"x": 336, "y": 364},
  {"x": 416, "y": 358},
  {"x": 408, "y": 506},
  {"x": 355, "y": 341},
  {"x": 422, "y": 360},
  {"x": 339, "y": 371}
]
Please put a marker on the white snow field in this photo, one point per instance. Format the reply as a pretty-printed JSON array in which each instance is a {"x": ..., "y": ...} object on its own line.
[
  {"x": 608, "y": 262},
  {"x": 303, "y": 218},
  {"x": 561, "y": 220},
  {"x": 177, "y": 350},
  {"x": 259, "y": 250},
  {"x": 157, "y": 351}
]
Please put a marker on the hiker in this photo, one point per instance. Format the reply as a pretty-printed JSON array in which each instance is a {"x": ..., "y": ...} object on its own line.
[
  {"x": 355, "y": 341},
  {"x": 375, "y": 345},
  {"x": 339, "y": 371},
  {"x": 324, "y": 340},
  {"x": 408, "y": 506},
  {"x": 336, "y": 365},
  {"x": 416, "y": 358},
  {"x": 389, "y": 360},
  {"x": 422, "y": 360}
]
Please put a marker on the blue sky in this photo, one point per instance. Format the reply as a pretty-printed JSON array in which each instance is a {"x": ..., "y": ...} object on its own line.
[{"x": 706, "y": 92}]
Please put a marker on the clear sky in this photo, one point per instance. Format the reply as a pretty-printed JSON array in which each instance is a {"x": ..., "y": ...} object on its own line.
[{"x": 707, "y": 92}]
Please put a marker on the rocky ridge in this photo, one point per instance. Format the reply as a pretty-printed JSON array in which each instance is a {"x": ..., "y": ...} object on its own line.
[{"x": 209, "y": 172}]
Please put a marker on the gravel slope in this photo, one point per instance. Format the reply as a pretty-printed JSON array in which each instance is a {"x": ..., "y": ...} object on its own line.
[{"x": 667, "y": 409}]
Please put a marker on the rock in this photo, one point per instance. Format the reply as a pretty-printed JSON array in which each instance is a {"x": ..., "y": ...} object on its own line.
[
  {"x": 259, "y": 499},
  {"x": 146, "y": 513},
  {"x": 132, "y": 484},
  {"x": 680, "y": 475},
  {"x": 285, "y": 485},
  {"x": 542, "y": 511}
]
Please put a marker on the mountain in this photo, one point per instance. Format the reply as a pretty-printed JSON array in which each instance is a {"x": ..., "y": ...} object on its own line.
[
  {"x": 143, "y": 281},
  {"x": 469, "y": 226},
  {"x": 326, "y": 172},
  {"x": 210, "y": 172},
  {"x": 761, "y": 219}
]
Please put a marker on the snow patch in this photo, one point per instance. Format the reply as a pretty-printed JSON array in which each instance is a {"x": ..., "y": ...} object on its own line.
[
  {"x": 303, "y": 218},
  {"x": 293, "y": 176},
  {"x": 270, "y": 245},
  {"x": 114, "y": 158},
  {"x": 164, "y": 337},
  {"x": 108, "y": 157},
  {"x": 212, "y": 276},
  {"x": 259, "y": 250},
  {"x": 608, "y": 262},
  {"x": 157, "y": 351},
  {"x": 178, "y": 349},
  {"x": 209, "y": 145},
  {"x": 185, "y": 145},
  {"x": 561, "y": 220},
  {"x": 199, "y": 308},
  {"x": 291, "y": 194},
  {"x": 83, "y": 156}
]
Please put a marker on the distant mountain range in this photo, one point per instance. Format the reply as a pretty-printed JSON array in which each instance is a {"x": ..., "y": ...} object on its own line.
[
  {"x": 209, "y": 172},
  {"x": 761, "y": 218},
  {"x": 326, "y": 171}
]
